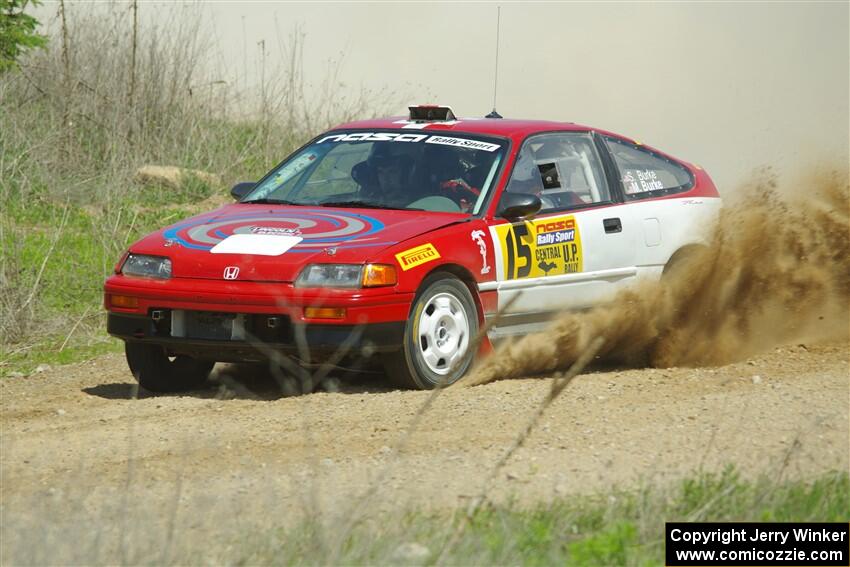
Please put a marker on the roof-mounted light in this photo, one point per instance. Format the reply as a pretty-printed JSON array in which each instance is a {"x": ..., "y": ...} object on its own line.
[{"x": 431, "y": 113}]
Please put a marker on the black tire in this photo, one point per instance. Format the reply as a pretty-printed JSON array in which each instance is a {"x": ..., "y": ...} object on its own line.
[
  {"x": 155, "y": 372},
  {"x": 420, "y": 364}
]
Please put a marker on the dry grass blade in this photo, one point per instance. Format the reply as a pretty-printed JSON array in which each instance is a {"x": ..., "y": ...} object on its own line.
[
  {"x": 74, "y": 328},
  {"x": 56, "y": 238},
  {"x": 357, "y": 512},
  {"x": 559, "y": 384},
  {"x": 279, "y": 366}
]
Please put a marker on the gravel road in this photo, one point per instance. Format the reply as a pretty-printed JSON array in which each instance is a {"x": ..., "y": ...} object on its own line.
[{"x": 90, "y": 471}]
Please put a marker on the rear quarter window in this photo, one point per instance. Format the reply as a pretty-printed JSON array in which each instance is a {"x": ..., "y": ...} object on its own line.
[{"x": 644, "y": 173}]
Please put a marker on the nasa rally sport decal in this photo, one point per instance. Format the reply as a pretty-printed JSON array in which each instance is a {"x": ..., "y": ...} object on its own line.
[
  {"x": 538, "y": 248},
  {"x": 314, "y": 230},
  {"x": 410, "y": 138}
]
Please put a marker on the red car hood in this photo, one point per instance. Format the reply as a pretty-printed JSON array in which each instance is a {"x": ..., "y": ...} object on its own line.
[{"x": 273, "y": 242}]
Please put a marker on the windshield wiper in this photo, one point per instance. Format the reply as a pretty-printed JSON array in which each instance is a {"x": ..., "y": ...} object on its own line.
[
  {"x": 365, "y": 205},
  {"x": 267, "y": 201}
]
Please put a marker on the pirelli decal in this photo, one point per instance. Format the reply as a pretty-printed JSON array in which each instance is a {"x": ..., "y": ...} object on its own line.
[{"x": 417, "y": 256}]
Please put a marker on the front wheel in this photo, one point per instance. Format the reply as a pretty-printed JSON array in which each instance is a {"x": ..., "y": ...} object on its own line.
[
  {"x": 157, "y": 372},
  {"x": 438, "y": 336}
]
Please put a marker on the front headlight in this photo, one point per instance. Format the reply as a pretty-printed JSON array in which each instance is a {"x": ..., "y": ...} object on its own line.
[
  {"x": 346, "y": 275},
  {"x": 147, "y": 266},
  {"x": 330, "y": 275}
]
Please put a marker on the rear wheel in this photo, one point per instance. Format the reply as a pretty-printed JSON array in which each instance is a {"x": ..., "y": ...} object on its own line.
[
  {"x": 683, "y": 259},
  {"x": 438, "y": 335},
  {"x": 157, "y": 372}
]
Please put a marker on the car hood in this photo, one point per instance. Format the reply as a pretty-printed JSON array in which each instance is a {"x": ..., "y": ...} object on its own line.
[{"x": 273, "y": 242}]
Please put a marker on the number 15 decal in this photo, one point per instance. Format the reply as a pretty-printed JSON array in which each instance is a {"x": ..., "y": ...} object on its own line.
[
  {"x": 539, "y": 248},
  {"x": 516, "y": 249}
]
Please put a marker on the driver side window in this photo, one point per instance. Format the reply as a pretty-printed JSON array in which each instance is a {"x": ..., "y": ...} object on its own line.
[{"x": 563, "y": 169}]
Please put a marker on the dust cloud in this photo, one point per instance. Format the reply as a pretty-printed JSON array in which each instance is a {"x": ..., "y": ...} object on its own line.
[{"x": 776, "y": 270}]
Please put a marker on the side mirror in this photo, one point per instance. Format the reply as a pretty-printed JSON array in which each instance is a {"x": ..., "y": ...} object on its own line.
[
  {"x": 241, "y": 189},
  {"x": 514, "y": 206}
]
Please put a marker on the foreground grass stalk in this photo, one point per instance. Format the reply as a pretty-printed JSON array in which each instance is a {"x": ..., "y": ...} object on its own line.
[
  {"x": 359, "y": 508},
  {"x": 559, "y": 384},
  {"x": 617, "y": 527},
  {"x": 74, "y": 328}
]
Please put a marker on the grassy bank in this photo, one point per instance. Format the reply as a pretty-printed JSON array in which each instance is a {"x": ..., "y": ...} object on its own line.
[
  {"x": 80, "y": 118},
  {"x": 54, "y": 258},
  {"x": 621, "y": 528}
]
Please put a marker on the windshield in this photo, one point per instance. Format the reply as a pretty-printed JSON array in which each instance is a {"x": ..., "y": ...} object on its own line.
[{"x": 397, "y": 170}]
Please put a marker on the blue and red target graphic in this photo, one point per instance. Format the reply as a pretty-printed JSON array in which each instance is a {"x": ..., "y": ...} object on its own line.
[{"x": 318, "y": 228}]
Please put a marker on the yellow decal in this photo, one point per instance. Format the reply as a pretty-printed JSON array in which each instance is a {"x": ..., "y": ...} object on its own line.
[
  {"x": 542, "y": 247},
  {"x": 417, "y": 256}
]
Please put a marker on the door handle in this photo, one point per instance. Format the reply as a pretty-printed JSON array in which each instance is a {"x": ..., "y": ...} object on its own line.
[{"x": 612, "y": 225}]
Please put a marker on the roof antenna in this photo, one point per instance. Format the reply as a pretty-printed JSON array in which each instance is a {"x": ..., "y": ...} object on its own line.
[{"x": 495, "y": 114}]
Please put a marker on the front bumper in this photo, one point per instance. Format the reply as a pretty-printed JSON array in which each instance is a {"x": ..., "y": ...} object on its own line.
[
  {"x": 374, "y": 319},
  {"x": 373, "y": 305},
  {"x": 260, "y": 341}
]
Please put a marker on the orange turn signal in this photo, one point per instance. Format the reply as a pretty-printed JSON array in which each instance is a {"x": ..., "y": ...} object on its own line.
[
  {"x": 124, "y": 301},
  {"x": 375, "y": 275},
  {"x": 324, "y": 312}
]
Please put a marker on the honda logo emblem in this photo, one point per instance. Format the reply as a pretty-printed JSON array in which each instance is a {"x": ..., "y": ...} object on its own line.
[{"x": 231, "y": 272}]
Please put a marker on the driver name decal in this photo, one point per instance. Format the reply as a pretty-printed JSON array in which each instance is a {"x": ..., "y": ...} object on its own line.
[
  {"x": 539, "y": 248},
  {"x": 417, "y": 256},
  {"x": 641, "y": 181}
]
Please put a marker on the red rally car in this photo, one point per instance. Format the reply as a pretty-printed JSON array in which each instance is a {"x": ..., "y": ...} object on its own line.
[{"x": 401, "y": 238}]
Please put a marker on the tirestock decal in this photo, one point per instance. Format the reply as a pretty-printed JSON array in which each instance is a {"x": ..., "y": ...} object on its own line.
[
  {"x": 317, "y": 229},
  {"x": 417, "y": 256},
  {"x": 539, "y": 248}
]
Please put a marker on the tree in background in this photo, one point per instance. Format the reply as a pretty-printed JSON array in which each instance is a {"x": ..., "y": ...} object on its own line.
[{"x": 17, "y": 32}]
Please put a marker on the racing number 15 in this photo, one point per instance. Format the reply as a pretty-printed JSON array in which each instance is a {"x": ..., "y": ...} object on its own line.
[{"x": 516, "y": 247}]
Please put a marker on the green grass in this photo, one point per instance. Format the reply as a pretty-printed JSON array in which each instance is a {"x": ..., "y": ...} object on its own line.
[
  {"x": 25, "y": 359},
  {"x": 54, "y": 259},
  {"x": 620, "y": 528}
]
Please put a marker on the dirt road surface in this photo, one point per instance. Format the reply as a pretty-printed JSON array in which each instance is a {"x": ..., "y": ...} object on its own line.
[{"x": 90, "y": 471}]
